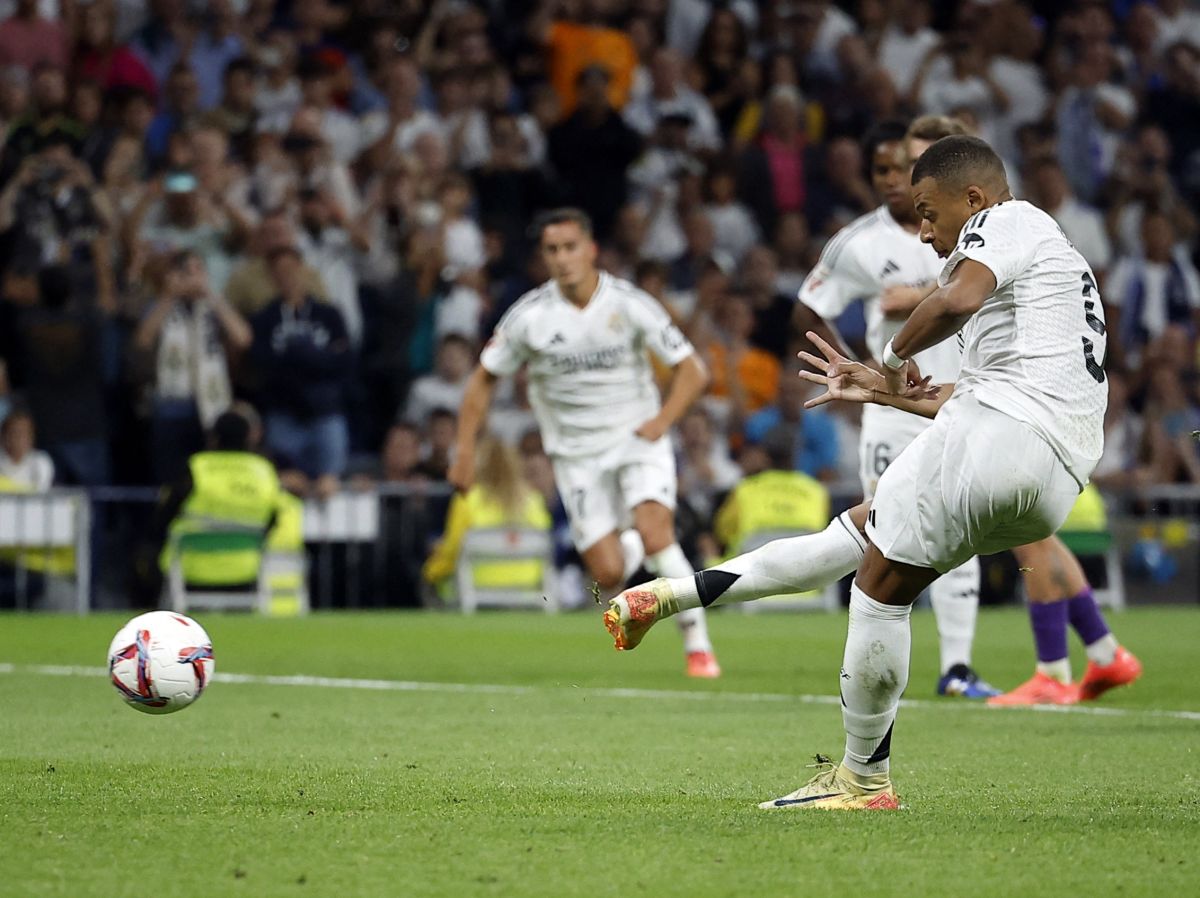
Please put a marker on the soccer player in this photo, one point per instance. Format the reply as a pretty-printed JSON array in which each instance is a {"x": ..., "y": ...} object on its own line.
[
  {"x": 1017, "y": 436},
  {"x": 584, "y": 335},
  {"x": 880, "y": 259}
]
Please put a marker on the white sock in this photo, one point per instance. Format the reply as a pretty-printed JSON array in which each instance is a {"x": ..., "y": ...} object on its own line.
[
  {"x": 1057, "y": 670},
  {"x": 781, "y": 567},
  {"x": 1103, "y": 651},
  {"x": 671, "y": 562},
  {"x": 633, "y": 553},
  {"x": 874, "y": 674},
  {"x": 955, "y": 600}
]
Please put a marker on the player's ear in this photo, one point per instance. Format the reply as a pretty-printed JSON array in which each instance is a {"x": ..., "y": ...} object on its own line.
[{"x": 975, "y": 197}]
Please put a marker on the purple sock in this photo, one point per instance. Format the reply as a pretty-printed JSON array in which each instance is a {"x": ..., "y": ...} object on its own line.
[
  {"x": 1049, "y": 621},
  {"x": 1086, "y": 618}
]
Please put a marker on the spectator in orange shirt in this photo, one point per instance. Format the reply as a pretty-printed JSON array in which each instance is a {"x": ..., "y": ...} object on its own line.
[
  {"x": 577, "y": 41},
  {"x": 744, "y": 377}
]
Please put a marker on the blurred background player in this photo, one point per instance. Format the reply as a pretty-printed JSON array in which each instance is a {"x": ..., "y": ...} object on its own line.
[
  {"x": 584, "y": 336},
  {"x": 880, "y": 259}
]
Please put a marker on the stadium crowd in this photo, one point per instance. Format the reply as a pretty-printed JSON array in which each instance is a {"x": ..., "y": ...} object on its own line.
[{"x": 322, "y": 207}]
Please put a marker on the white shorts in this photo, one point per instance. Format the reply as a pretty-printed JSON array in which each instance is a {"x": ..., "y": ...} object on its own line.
[
  {"x": 974, "y": 483},
  {"x": 600, "y": 491},
  {"x": 886, "y": 432}
]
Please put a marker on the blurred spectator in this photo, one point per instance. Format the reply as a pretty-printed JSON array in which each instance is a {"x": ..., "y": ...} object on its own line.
[
  {"x": 1123, "y": 436},
  {"x": 100, "y": 58},
  {"x": 250, "y": 286},
  {"x": 721, "y": 58},
  {"x": 734, "y": 228},
  {"x": 1150, "y": 292},
  {"x": 161, "y": 39},
  {"x": 463, "y": 247},
  {"x": 1083, "y": 224},
  {"x": 659, "y": 180},
  {"x": 303, "y": 352},
  {"x": 1092, "y": 114},
  {"x": 277, "y": 92},
  {"x": 793, "y": 252},
  {"x": 179, "y": 112},
  {"x": 700, "y": 251},
  {"x": 21, "y": 465},
  {"x": 757, "y": 280},
  {"x": 59, "y": 353},
  {"x": 1171, "y": 424},
  {"x": 706, "y": 472},
  {"x": 960, "y": 81},
  {"x": 6, "y": 397},
  {"x": 744, "y": 378},
  {"x": 341, "y": 131},
  {"x": 236, "y": 114},
  {"x": 575, "y": 41},
  {"x": 216, "y": 45},
  {"x": 1178, "y": 20},
  {"x": 187, "y": 331},
  {"x": 771, "y": 498},
  {"x": 1142, "y": 181},
  {"x": 14, "y": 94},
  {"x": 591, "y": 150},
  {"x": 509, "y": 187},
  {"x": 842, "y": 194},
  {"x": 773, "y": 171},
  {"x": 501, "y": 496},
  {"x": 812, "y": 433},
  {"x": 443, "y": 388},
  {"x": 907, "y": 41},
  {"x": 670, "y": 95},
  {"x": 28, "y": 40},
  {"x": 330, "y": 241},
  {"x": 46, "y": 120},
  {"x": 439, "y": 443}
]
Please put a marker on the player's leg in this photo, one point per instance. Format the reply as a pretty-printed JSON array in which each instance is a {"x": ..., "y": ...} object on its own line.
[
  {"x": 955, "y": 600},
  {"x": 873, "y": 676},
  {"x": 587, "y": 491},
  {"x": 781, "y": 567},
  {"x": 665, "y": 558},
  {"x": 1059, "y": 594}
]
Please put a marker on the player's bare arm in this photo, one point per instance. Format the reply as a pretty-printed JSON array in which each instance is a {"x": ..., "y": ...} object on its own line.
[
  {"x": 940, "y": 315},
  {"x": 476, "y": 402},
  {"x": 691, "y": 377},
  {"x": 852, "y": 381},
  {"x": 899, "y": 300}
]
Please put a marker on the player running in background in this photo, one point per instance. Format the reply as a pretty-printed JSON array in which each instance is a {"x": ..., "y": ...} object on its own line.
[
  {"x": 880, "y": 259},
  {"x": 584, "y": 335},
  {"x": 1002, "y": 465}
]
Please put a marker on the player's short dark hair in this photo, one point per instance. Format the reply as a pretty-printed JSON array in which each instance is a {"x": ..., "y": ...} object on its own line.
[
  {"x": 561, "y": 215},
  {"x": 955, "y": 161},
  {"x": 887, "y": 131},
  {"x": 935, "y": 127}
]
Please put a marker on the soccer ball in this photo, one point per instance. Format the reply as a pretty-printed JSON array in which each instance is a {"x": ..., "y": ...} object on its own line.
[{"x": 160, "y": 662}]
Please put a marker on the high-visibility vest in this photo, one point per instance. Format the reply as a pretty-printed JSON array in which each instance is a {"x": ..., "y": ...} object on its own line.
[
  {"x": 286, "y": 575},
  {"x": 478, "y": 509},
  {"x": 1088, "y": 515},
  {"x": 230, "y": 490},
  {"x": 772, "y": 500}
]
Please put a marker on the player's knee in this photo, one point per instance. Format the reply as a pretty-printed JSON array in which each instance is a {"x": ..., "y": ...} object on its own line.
[{"x": 609, "y": 576}]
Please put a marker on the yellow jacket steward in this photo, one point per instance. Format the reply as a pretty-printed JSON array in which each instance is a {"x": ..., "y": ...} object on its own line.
[
  {"x": 772, "y": 500},
  {"x": 230, "y": 490},
  {"x": 477, "y": 510}
]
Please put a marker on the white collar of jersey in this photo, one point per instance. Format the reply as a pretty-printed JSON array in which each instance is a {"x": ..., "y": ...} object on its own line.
[{"x": 601, "y": 283}]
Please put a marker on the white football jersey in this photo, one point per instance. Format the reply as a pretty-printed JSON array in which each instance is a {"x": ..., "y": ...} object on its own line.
[
  {"x": 863, "y": 259},
  {"x": 1036, "y": 349},
  {"x": 590, "y": 380}
]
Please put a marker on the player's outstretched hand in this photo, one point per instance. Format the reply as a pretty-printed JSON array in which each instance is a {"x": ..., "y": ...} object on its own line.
[{"x": 842, "y": 378}]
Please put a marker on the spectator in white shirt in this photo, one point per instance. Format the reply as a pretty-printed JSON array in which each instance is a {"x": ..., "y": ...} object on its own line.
[
  {"x": 1146, "y": 294},
  {"x": 907, "y": 40},
  {"x": 21, "y": 465},
  {"x": 1083, "y": 225},
  {"x": 330, "y": 241},
  {"x": 445, "y": 386},
  {"x": 670, "y": 95}
]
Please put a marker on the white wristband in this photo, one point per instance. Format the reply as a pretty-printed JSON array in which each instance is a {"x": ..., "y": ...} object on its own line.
[{"x": 890, "y": 359}]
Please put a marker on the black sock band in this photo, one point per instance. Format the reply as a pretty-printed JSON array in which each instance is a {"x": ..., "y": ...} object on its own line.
[{"x": 711, "y": 585}]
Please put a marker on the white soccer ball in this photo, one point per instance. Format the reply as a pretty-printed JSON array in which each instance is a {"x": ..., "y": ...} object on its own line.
[{"x": 160, "y": 662}]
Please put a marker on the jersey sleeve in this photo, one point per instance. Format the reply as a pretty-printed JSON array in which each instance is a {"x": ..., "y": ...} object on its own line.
[
  {"x": 994, "y": 238},
  {"x": 507, "y": 350},
  {"x": 838, "y": 279},
  {"x": 659, "y": 333}
]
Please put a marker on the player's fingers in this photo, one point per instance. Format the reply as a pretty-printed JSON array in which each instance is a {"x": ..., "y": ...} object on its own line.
[
  {"x": 813, "y": 377},
  {"x": 809, "y": 358},
  {"x": 819, "y": 400},
  {"x": 830, "y": 353}
]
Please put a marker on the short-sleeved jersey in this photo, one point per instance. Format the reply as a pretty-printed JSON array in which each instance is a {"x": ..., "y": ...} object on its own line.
[
  {"x": 590, "y": 380},
  {"x": 864, "y": 258},
  {"x": 1036, "y": 349}
]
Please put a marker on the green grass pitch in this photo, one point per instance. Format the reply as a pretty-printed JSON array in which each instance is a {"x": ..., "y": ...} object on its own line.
[{"x": 540, "y": 776}]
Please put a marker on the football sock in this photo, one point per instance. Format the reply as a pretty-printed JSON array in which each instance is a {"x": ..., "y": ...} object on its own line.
[
  {"x": 633, "y": 553},
  {"x": 781, "y": 567},
  {"x": 671, "y": 562},
  {"x": 874, "y": 674},
  {"x": 955, "y": 600},
  {"x": 1049, "y": 621},
  {"x": 1087, "y": 620}
]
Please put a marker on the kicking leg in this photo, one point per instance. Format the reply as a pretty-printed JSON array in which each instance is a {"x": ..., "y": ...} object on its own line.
[{"x": 784, "y": 566}]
